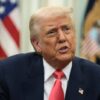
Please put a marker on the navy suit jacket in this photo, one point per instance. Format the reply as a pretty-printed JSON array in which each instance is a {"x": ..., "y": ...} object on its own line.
[{"x": 22, "y": 78}]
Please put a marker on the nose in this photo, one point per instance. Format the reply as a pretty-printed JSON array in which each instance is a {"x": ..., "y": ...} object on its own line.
[{"x": 61, "y": 36}]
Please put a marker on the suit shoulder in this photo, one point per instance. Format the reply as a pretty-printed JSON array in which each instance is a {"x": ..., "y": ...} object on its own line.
[
  {"x": 86, "y": 62},
  {"x": 88, "y": 66},
  {"x": 20, "y": 59}
]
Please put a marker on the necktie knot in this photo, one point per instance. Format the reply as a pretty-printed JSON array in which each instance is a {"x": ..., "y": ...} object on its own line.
[{"x": 58, "y": 74}]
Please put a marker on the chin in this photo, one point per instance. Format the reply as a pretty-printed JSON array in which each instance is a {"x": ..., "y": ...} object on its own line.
[{"x": 67, "y": 57}]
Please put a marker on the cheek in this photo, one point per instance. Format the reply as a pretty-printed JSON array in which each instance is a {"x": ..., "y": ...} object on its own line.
[
  {"x": 72, "y": 40},
  {"x": 49, "y": 44},
  {"x": 73, "y": 43}
]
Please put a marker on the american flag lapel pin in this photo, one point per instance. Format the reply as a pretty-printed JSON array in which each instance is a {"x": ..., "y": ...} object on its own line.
[{"x": 81, "y": 91}]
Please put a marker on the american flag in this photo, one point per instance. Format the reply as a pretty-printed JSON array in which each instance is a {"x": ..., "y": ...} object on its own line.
[
  {"x": 90, "y": 46},
  {"x": 9, "y": 28}
]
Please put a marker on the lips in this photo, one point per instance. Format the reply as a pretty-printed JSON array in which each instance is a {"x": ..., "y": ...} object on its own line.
[{"x": 63, "y": 49}]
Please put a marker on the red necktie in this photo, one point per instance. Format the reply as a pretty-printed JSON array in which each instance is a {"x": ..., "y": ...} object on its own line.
[{"x": 57, "y": 91}]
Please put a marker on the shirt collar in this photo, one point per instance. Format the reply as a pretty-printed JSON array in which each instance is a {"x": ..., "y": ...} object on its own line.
[
  {"x": 67, "y": 70},
  {"x": 49, "y": 70}
]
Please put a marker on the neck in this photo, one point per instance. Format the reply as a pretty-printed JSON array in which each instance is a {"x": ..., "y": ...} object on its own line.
[{"x": 59, "y": 64}]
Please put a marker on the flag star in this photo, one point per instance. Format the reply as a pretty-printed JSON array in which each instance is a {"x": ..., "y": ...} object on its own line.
[
  {"x": 13, "y": 1},
  {"x": 2, "y": 9},
  {"x": 3, "y": 1}
]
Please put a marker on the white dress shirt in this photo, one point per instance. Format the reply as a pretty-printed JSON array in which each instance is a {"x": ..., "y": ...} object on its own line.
[{"x": 49, "y": 79}]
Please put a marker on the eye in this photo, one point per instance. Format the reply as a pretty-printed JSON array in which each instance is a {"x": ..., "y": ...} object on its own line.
[
  {"x": 65, "y": 28},
  {"x": 52, "y": 31}
]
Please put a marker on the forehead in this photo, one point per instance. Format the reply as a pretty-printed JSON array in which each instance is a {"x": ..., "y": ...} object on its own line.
[{"x": 56, "y": 21}]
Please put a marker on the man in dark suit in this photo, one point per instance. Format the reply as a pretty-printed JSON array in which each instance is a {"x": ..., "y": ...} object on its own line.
[{"x": 34, "y": 76}]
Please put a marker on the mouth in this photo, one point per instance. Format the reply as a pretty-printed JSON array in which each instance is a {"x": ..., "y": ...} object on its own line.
[{"x": 63, "y": 49}]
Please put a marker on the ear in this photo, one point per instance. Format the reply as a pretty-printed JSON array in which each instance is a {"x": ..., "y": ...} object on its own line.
[{"x": 36, "y": 44}]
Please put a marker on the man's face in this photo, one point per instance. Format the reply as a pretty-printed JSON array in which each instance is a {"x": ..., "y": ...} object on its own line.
[{"x": 57, "y": 39}]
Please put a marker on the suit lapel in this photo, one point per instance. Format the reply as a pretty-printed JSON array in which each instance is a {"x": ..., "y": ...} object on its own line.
[
  {"x": 34, "y": 85},
  {"x": 75, "y": 89}
]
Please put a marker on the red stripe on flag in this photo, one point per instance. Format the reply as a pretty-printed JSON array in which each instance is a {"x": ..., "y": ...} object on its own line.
[
  {"x": 12, "y": 30},
  {"x": 2, "y": 53}
]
